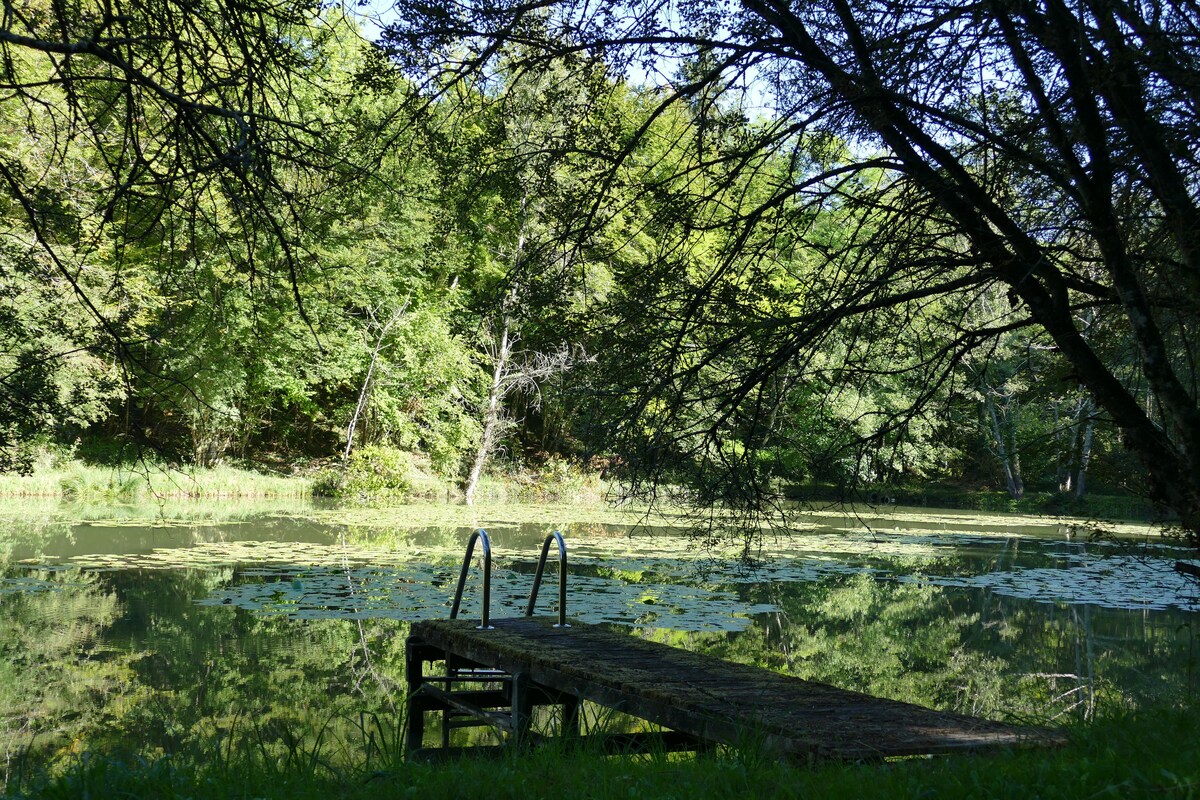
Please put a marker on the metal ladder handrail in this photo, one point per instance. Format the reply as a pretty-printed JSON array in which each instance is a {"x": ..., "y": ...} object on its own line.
[
  {"x": 562, "y": 578},
  {"x": 478, "y": 535}
]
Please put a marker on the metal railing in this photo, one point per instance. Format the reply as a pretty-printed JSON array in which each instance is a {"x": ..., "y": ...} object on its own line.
[
  {"x": 479, "y": 535},
  {"x": 485, "y": 616},
  {"x": 562, "y": 579}
]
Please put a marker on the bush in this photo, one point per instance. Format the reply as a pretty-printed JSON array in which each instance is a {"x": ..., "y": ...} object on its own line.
[
  {"x": 374, "y": 471},
  {"x": 560, "y": 480}
]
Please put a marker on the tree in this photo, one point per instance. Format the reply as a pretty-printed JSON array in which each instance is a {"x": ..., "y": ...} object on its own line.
[
  {"x": 1046, "y": 149},
  {"x": 515, "y": 159},
  {"x": 162, "y": 169}
]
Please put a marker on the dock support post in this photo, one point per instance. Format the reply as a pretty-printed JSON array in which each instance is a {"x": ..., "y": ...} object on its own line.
[
  {"x": 415, "y": 677},
  {"x": 522, "y": 707},
  {"x": 570, "y": 718}
]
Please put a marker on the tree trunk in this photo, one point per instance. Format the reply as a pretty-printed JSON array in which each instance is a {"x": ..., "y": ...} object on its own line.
[
  {"x": 363, "y": 396},
  {"x": 1062, "y": 469},
  {"x": 1067, "y": 476},
  {"x": 1168, "y": 447},
  {"x": 1018, "y": 482},
  {"x": 1085, "y": 452},
  {"x": 1014, "y": 490},
  {"x": 491, "y": 414}
]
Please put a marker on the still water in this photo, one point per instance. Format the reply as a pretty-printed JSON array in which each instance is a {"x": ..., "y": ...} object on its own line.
[{"x": 153, "y": 629}]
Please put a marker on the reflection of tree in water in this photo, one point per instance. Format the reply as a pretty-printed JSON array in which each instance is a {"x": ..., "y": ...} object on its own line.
[
  {"x": 968, "y": 651},
  {"x": 214, "y": 669},
  {"x": 27, "y": 537},
  {"x": 891, "y": 640},
  {"x": 125, "y": 660},
  {"x": 61, "y": 686}
]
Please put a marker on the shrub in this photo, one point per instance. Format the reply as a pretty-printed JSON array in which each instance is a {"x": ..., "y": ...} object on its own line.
[
  {"x": 373, "y": 471},
  {"x": 562, "y": 480}
]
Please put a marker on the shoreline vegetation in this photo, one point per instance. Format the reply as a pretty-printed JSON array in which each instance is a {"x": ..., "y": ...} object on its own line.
[
  {"x": 374, "y": 474},
  {"x": 378, "y": 475}
]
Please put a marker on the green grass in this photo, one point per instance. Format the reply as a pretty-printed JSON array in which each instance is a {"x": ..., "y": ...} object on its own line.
[
  {"x": 1093, "y": 505},
  {"x": 42, "y": 483},
  {"x": 384, "y": 475},
  {"x": 1155, "y": 754},
  {"x": 144, "y": 482}
]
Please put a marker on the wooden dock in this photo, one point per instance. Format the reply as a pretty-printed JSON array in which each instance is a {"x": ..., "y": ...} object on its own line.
[{"x": 498, "y": 676}]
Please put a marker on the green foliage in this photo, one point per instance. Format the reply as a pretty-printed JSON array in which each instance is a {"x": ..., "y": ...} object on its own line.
[
  {"x": 830, "y": 221},
  {"x": 556, "y": 480},
  {"x": 426, "y": 391},
  {"x": 55, "y": 377},
  {"x": 1148, "y": 756},
  {"x": 374, "y": 471},
  {"x": 240, "y": 315}
]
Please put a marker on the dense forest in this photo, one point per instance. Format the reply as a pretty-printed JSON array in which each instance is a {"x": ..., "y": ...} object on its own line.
[{"x": 490, "y": 241}]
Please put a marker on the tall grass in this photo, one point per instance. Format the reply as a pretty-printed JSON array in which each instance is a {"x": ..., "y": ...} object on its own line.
[
  {"x": 42, "y": 483},
  {"x": 143, "y": 482},
  {"x": 133, "y": 483},
  {"x": 381, "y": 475},
  {"x": 556, "y": 480},
  {"x": 1154, "y": 754}
]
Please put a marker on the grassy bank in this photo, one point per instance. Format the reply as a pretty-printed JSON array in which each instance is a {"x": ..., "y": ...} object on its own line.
[
  {"x": 383, "y": 476},
  {"x": 1096, "y": 506},
  {"x": 145, "y": 481},
  {"x": 387, "y": 474},
  {"x": 375, "y": 475},
  {"x": 1154, "y": 754}
]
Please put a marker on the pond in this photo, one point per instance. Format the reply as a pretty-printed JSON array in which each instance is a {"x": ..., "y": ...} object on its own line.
[{"x": 176, "y": 626}]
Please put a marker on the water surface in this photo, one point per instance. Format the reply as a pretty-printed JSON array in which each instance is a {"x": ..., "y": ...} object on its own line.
[{"x": 155, "y": 629}]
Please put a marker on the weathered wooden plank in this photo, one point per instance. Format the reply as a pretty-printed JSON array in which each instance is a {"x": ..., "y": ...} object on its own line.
[{"x": 716, "y": 700}]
